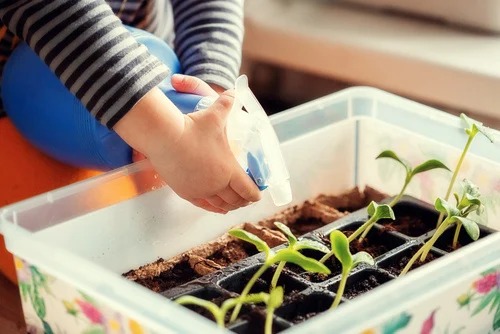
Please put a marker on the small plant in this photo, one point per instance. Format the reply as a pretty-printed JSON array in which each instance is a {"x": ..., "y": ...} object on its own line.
[
  {"x": 472, "y": 129},
  {"x": 272, "y": 301},
  {"x": 340, "y": 247},
  {"x": 294, "y": 245},
  {"x": 410, "y": 173},
  {"x": 376, "y": 212},
  {"x": 468, "y": 203},
  {"x": 271, "y": 257}
]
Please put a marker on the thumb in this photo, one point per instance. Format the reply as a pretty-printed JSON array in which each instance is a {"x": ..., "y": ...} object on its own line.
[
  {"x": 222, "y": 106},
  {"x": 192, "y": 85}
]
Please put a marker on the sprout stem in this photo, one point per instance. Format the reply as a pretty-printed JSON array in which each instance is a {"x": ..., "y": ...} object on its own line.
[
  {"x": 457, "y": 233},
  {"x": 247, "y": 289},
  {"x": 277, "y": 273},
  {"x": 340, "y": 290},
  {"x": 455, "y": 173},
  {"x": 268, "y": 328},
  {"x": 428, "y": 245},
  {"x": 361, "y": 229}
]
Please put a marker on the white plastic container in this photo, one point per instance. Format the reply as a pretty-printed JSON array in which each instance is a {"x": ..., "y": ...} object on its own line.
[{"x": 82, "y": 237}]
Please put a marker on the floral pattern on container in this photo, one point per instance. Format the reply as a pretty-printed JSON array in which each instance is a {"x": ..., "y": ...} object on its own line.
[
  {"x": 52, "y": 306},
  {"x": 484, "y": 296}
]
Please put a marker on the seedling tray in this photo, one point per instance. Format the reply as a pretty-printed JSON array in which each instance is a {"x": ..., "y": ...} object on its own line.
[{"x": 391, "y": 243}]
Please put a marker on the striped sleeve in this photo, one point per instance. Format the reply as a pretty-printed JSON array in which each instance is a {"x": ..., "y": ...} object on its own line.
[
  {"x": 208, "y": 39},
  {"x": 89, "y": 50}
]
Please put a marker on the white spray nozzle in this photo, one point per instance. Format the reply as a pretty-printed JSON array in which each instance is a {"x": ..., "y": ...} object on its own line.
[{"x": 256, "y": 146}]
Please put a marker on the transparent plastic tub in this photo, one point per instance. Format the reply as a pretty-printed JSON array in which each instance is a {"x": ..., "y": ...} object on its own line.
[{"x": 81, "y": 238}]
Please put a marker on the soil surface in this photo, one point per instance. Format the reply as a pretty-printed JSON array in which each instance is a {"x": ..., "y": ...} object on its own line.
[
  {"x": 408, "y": 225},
  {"x": 181, "y": 273},
  {"x": 234, "y": 251},
  {"x": 299, "y": 308},
  {"x": 364, "y": 285},
  {"x": 332, "y": 263},
  {"x": 255, "y": 322},
  {"x": 305, "y": 225},
  {"x": 371, "y": 243},
  {"x": 395, "y": 266}
]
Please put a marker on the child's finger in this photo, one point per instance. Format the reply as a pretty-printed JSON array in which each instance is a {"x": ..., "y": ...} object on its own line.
[
  {"x": 220, "y": 203},
  {"x": 230, "y": 196},
  {"x": 201, "y": 203},
  {"x": 243, "y": 185},
  {"x": 192, "y": 85}
]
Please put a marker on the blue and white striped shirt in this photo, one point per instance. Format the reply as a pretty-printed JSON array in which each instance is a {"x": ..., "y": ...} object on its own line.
[{"x": 86, "y": 46}]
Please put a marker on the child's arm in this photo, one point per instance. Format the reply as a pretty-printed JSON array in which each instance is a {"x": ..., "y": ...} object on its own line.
[
  {"x": 115, "y": 78},
  {"x": 208, "y": 39}
]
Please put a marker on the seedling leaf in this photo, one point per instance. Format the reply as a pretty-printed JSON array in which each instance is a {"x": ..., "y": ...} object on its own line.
[
  {"x": 391, "y": 155},
  {"x": 470, "y": 188},
  {"x": 429, "y": 165},
  {"x": 275, "y": 298},
  {"x": 470, "y": 226},
  {"x": 311, "y": 244},
  {"x": 340, "y": 247},
  {"x": 378, "y": 212},
  {"x": 286, "y": 231},
  {"x": 443, "y": 206},
  {"x": 362, "y": 257},
  {"x": 457, "y": 198},
  {"x": 251, "y": 238},
  {"x": 475, "y": 126},
  {"x": 306, "y": 263}
]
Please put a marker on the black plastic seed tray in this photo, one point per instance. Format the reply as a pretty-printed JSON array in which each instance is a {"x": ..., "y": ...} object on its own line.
[{"x": 391, "y": 243}]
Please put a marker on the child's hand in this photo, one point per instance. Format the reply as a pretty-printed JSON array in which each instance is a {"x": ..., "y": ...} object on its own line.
[{"x": 190, "y": 152}]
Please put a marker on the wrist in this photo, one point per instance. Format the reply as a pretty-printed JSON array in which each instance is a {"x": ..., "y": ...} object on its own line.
[{"x": 153, "y": 121}]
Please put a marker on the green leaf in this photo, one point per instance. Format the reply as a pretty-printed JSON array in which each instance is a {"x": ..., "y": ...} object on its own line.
[
  {"x": 362, "y": 257},
  {"x": 476, "y": 126},
  {"x": 340, "y": 247},
  {"x": 311, "y": 244},
  {"x": 391, "y": 155},
  {"x": 275, "y": 298},
  {"x": 383, "y": 211},
  {"x": 46, "y": 328},
  {"x": 496, "y": 320},
  {"x": 470, "y": 188},
  {"x": 295, "y": 257},
  {"x": 443, "y": 206},
  {"x": 287, "y": 232},
  {"x": 496, "y": 301},
  {"x": 485, "y": 301},
  {"x": 253, "y": 239},
  {"x": 39, "y": 306},
  {"x": 25, "y": 290},
  {"x": 87, "y": 298},
  {"x": 457, "y": 198},
  {"x": 470, "y": 226},
  {"x": 397, "y": 323},
  {"x": 429, "y": 165}
]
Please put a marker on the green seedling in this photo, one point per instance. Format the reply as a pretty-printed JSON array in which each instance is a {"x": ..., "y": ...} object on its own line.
[
  {"x": 219, "y": 313},
  {"x": 274, "y": 300},
  {"x": 410, "y": 173},
  {"x": 454, "y": 214},
  {"x": 271, "y": 257},
  {"x": 340, "y": 248},
  {"x": 473, "y": 127},
  {"x": 375, "y": 212},
  {"x": 294, "y": 245}
]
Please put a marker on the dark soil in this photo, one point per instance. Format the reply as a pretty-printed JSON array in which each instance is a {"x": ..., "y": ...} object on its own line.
[
  {"x": 234, "y": 251},
  {"x": 407, "y": 225},
  {"x": 305, "y": 307},
  {"x": 362, "y": 283},
  {"x": 305, "y": 225},
  {"x": 375, "y": 243},
  {"x": 181, "y": 273},
  {"x": 254, "y": 323},
  {"x": 204, "y": 312},
  {"x": 397, "y": 264},
  {"x": 238, "y": 281}
]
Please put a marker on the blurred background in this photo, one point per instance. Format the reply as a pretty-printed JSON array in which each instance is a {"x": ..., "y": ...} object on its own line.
[{"x": 444, "y": 53}]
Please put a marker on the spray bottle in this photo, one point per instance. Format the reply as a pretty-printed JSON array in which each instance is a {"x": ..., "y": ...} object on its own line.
[{"x": 54, "y": 120}]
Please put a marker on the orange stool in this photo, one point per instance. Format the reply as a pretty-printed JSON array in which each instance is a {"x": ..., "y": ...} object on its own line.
[{"x": 26, "y": 172}]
